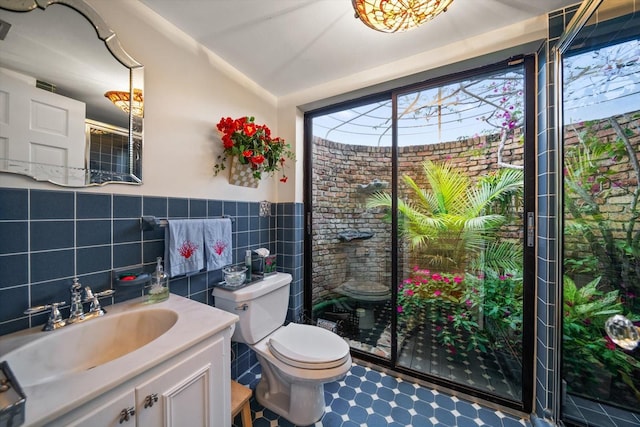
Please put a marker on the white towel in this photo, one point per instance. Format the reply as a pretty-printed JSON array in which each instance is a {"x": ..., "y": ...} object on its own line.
[
  {"x": 218, "y": 243},
  {"x": 184, "y": 251}
]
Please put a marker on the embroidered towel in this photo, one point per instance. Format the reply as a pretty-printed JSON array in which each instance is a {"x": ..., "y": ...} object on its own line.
[
  {"x": 184, "y": 251},
  {"x": 217, "y": 241}
]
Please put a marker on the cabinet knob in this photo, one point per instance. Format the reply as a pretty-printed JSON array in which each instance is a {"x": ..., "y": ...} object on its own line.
[
  {"x": 126, "y": 414},
  {"x": 150, "y": 400}
]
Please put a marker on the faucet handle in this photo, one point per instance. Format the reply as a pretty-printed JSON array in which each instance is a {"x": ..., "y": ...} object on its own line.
[
  {"x": 41, "y": 308},
  {"x": 95, "y": 309},
  {"x": 55, "y": 318}
]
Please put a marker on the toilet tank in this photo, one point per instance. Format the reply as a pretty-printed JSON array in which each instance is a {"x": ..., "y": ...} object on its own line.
[{"x": 262, "y": 306}]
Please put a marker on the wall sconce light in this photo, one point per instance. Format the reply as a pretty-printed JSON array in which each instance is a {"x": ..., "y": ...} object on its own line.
[
  {"x": 390, "y": 16},
  {"x": 121, "y": 100}
]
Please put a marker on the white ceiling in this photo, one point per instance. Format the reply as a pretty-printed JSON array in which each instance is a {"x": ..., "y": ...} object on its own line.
[{"x": 289, "y": 45}]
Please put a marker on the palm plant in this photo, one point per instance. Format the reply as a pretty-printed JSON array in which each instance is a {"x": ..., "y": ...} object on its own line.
[{"x": 454, "y": 221}]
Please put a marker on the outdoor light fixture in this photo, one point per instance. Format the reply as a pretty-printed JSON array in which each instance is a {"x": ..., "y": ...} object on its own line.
[
  {"x": 121, "y": 100},
  {"x": 390, "y": 16}
]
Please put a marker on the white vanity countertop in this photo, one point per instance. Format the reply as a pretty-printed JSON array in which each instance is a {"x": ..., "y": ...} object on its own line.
[{"x": 49, "y": 400}]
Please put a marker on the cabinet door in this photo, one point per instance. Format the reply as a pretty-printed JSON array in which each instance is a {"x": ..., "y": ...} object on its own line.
[
  {"x": 189, "y": 393},
  {"x": 110, "y": 413}
]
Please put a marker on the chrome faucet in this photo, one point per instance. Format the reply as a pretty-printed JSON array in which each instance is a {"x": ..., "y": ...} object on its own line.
[
  {"x": 76, "y": 311},
  {"x": 76, "y": 314}
]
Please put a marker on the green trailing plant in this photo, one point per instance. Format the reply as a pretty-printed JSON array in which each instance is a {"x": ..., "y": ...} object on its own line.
[{"x": 455, "y": 221}]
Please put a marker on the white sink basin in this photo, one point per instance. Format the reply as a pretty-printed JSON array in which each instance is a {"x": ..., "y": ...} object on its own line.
[{"x": 83, "y": 346}]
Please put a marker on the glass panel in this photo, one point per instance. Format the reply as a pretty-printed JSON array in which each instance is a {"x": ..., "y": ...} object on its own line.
[
  {"x": 460, "y": 160},
  {"x": 601, "y": 104},
  {"x": 351, "y": 284}
]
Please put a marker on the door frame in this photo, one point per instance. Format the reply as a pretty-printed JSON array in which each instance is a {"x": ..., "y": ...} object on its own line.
[{"x": 529, "y": 211}]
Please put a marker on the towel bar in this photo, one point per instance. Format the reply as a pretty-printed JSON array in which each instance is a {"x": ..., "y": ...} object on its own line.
[{"x": 148, "y": 223}]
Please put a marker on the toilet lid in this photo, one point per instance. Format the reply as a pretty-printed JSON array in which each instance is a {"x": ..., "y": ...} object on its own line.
[{"x": 308, "y": 347}]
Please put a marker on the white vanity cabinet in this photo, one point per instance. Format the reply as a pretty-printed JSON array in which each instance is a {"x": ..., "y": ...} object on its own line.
[
  {"x": 190, "y": 389},
  {"x": 191, "y": 393},
  {"x": 147, "y": 365}
]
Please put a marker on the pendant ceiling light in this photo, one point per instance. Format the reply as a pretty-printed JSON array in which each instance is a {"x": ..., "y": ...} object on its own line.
[
  {"x": 390, "y": 16},
  {"x": 121, "y": 100}
]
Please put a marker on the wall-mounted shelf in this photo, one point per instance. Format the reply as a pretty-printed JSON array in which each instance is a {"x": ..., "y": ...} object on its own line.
[
  {"x": 349, "y": 235},
  {"x": 130, "y": 276}
]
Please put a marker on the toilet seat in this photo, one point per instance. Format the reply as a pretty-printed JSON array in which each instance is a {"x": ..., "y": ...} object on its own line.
[{"x": 308, "y": 347}]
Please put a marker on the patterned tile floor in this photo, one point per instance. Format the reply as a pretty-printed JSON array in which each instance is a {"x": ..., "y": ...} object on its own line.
[
  {"x": 369, "y": 398},
  {"x": 584, "y": 412},
  {"x": 493, "y": 371}
]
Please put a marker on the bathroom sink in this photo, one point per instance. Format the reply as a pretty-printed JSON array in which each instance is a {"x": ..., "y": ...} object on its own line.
[{"x": 80, "y": 347}]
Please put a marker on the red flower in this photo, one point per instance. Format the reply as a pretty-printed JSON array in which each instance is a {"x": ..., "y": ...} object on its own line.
[
  {"x": 266, "y": 131},
  {"x": 247, "y": 153},
  {"x": 257, "y": 160},
  {"x": 283, "y": 179},
  {"x": 227, "y": 142},
  {"x": 249, "y": 129}
]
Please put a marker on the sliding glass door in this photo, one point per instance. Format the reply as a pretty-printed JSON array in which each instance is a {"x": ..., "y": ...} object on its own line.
[
  {"x": 416, "y": 213},
  {"x": 460, "y": 223}
]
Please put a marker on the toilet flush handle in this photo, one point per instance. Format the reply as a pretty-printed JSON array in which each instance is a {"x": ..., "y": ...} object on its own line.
[{"x": 243, "y": 307}]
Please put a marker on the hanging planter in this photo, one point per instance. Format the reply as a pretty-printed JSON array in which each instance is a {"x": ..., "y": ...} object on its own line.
[
  {"x": 252, "y": 151},
  {"x": 242, "y": 175}
]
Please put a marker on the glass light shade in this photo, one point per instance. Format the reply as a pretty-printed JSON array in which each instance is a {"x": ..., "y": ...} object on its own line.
[
  {"x": 121, "y": 100},
  {"x": 390, "y": 16}
]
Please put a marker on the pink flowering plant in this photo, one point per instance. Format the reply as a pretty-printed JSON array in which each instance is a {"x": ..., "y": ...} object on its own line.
[{"x": 447, "y": 302}]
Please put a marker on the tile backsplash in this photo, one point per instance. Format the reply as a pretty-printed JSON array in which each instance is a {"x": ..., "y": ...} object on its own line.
[{"x": 49, "y": 237}]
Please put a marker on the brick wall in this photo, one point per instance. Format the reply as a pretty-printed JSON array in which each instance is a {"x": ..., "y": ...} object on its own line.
[{"x": 342, "y": 178}]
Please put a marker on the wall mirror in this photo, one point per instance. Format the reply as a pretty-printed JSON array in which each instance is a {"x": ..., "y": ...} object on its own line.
[{"x": 71, "y": 98}]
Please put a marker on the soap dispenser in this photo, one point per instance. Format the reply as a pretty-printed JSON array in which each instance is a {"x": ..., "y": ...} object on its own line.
[{"x": 159, "y": 289}]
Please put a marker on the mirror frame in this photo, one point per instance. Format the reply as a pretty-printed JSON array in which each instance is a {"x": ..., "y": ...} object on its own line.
[{"x": 136, "y": 70}]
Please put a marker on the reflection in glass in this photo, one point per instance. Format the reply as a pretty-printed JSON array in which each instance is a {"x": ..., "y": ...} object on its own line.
[
  {"x": 56, "y": 64},
  {"x": 601, "y": 259}
]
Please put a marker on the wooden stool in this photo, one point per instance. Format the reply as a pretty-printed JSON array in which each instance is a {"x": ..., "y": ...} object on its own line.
[{"x": 240, "y": 396}]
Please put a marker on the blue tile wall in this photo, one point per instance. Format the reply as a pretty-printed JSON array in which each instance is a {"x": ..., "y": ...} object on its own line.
[{"x": 50, "y": 237}]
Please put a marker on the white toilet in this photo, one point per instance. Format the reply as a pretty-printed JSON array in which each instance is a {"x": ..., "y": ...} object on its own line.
[{"x": 296, "y": 359}]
